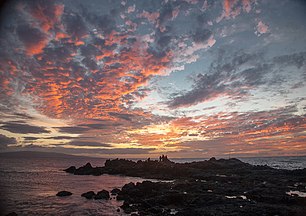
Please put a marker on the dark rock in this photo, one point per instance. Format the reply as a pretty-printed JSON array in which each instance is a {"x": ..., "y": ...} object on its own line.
[
  {"x": 12, "y": 214},
  {"x": 120, "y": 197},
  {"x": 86, "y": 170},
  {"x": 210, "y": 187},
  {"x": 103, "y": 194},
  {"x": 164, "y": 169},
  {"x": 71, "y": 169},
  {"x": 63, "y": 193},
  {"x": 89, "y": 195},
  {"x": 128, "y": 186},
  {"x": 115, "y": 191}
]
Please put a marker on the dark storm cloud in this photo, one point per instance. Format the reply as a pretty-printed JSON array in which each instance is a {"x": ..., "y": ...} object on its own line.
[
  {"x": 91, "y": 50},
  {"x": 72, "y": 130},
  {"x": 23, "y": 128},
  {"x": 124, "y": 116},
  {"x": 297, "y": 85},
  {"x": 164, "y": 40},
  {"x": 166, "y": 13},
  {"x": 60, "y": 137},
  {"x": 75, "y": 26},
  {"x": 295, "y": 59},
  {"x": 231, "y": 76},
  {"x": 4, "y": 141},
  {"x": 58, "y": 54},
  {"x": 31, "y": 138},
  {"x": 90, "y": 63},
  {"x": 201, "y": 35},
  {"x": 205, "y": 88},
  {"x": 254, "y": 76},
  {"x": 31, "y": 37},
  {"x": 87, "y": 143},
  {"x": 59, "y": 148},
  {"x": 23, "y": 116},
  {"x": 106, "y": 125},
  {"x": 105, "y": 22}
]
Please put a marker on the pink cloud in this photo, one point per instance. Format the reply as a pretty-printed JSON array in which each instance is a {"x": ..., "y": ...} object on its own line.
[
  {"x": 152, "y": 17},
  {"x": 131, "y": 9},
  {"x": 262, "y": 28}
]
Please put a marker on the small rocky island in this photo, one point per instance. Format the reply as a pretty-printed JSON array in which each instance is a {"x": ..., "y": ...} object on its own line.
[{"x": 210, "y": 187}]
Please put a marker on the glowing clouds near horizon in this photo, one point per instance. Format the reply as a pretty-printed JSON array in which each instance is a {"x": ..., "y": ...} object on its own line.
[{"x": 192, "y": 77}]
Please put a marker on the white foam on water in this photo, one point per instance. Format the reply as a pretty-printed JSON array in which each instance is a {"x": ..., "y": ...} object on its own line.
[{"x": 296, "y": 193}]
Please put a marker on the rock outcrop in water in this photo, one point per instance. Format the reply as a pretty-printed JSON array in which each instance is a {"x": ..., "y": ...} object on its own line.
[
  {"x": 89, "y": 195},
  {"x": 211, "y": 187},
  {"x": 63, "y": 193},
  {"x": 218, "y": 196},
  {"x": 87, "y": 169},
  {"x": 103, "y": 194},
  {"x": 164, "y": 169}
]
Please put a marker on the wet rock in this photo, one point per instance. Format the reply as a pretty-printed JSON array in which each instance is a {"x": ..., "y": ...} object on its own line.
[
  {"x": 128, "y": 187},
  {"x": 115, "y": 191},
  {"x": 87, "y": 169},
  {"x": 89, "y": 195},
  {"x": 71, "y": 170},
  {"x": 84, "y": 170},
  {"x": 211, "y": 187},
  {"x": 103, "y": 194},
  {"x": 12, "y": 214},
  {"x": 63, "y": 193}
]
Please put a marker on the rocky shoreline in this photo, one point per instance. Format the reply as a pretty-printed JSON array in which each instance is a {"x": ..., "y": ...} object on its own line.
[{"x": 211, "y": 187}]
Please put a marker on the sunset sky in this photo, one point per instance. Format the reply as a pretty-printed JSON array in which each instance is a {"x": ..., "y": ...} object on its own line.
[{"x": 186, "y": 78}]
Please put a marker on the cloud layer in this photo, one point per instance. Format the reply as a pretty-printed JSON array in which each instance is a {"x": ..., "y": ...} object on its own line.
[{"x": 190, "y": 77}]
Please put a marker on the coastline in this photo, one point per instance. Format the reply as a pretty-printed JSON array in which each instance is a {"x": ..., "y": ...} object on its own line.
[{"x": 210, "y": 187}]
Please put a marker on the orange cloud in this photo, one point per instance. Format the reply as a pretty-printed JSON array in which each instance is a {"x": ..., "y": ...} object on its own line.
[
  {"x": 34, "y": 49},
  {"x": 48, "y": 15},
  {"x": 249, "y": 134},
  {"x": 232, "y": 8}
]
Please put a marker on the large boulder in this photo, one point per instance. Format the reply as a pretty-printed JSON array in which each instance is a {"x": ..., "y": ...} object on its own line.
[
  {"x": 63, "y": 193},
  {"x": 103, "y": 194},
  {"x": 12, "y": 214},
  {"x": 128, "y": 187},
  {"x": 89, "y": 195},
  {"x": 115, "y": 191},
  {"x": 71, "y": 170}
]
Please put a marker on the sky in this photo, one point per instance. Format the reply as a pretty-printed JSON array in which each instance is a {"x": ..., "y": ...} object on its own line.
[{"x": 140, "y": 78}]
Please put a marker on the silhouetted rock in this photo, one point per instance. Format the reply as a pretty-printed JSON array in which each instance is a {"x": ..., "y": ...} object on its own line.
[
  {"x": 63, "y": 193},
  {"x": 197, "y": 197},
  {"x": 115, "y": 191},
  {"x": 210, "y": 187},
  {"x": 71, "y": 169},
  {"x": 103, "y": 194},
  {"x": 164, "y": 169},
  {"x": 12, "y": 214},
  {"x": 85, "y": 170},
  {"x": 89, "y": 195}
]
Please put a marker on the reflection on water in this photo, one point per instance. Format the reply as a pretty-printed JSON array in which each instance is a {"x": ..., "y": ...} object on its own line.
[{"x": 29, "y": 187}]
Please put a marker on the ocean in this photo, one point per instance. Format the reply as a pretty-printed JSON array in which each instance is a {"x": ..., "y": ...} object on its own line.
[
  {"x": 29, "y": 185},
  {"x": 282, "y": 162}
]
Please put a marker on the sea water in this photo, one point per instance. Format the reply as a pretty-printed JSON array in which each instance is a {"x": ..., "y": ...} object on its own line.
[{"x": 29, "y": 185}]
